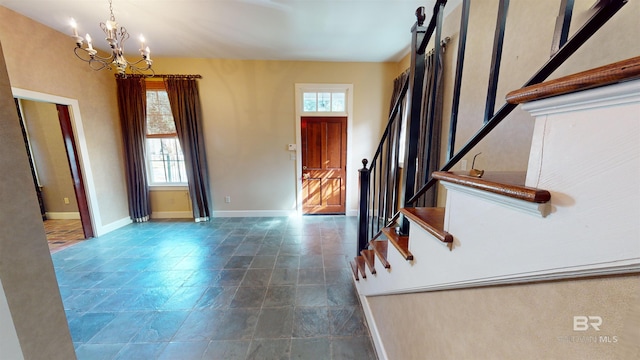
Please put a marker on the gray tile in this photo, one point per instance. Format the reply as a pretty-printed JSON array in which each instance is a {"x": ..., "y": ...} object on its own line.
[
  {"x": 236, "y": 324},
  {"x": 347, "y": 321},
  {"x": 280, "y": 296},
  {"x": 316, "y": 349},
  {"x": 200, "y": 325},
  {"x": 284, "y": 277},
  {"x": 311, "y": 261},
  {"x": 311, "y": 295},
  {"x": 256, "y": 277},
  {"x": 352, "y": 348},
  {"x": 161, "y": 327},
  {"x": 263, "y": 262},
  {"x": 122, "y": 328},
  {"x": 231, "y": 277},
  {"x": 216, "y": 298},
  {"x": 184, "y": 351},
  {"x": 239, "y": 262},
  {"x": 288, "y": 261},
  {"x": 274, "y": 323},
  {"x": 294, "y": 273},
  {"x": 338, "y": 276},
  {"x": 269, "y": 349},
  {"x": 140, "y": 351},
  {"x": 314, "y": 276},
  {"x": 249, "y": 297},
  {"x": 310, "y": 322},
  {"x": 227, "y": 350},
  {"x": 98, "y": 351},
  {"x": 342, "y": 294},
  {"x": 184, "y": 298},
  {"x": 88, "y": 325}
]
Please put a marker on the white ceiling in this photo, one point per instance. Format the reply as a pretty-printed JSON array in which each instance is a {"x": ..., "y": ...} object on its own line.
[{"x": 322, "y": 30}]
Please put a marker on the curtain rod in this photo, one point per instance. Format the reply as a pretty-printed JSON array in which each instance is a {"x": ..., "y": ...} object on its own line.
[
  {"x": 178, "y": 76},
  {"x": 164, "y": 76}
]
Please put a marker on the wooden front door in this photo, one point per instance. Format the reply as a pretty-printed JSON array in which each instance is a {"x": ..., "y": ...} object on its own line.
[{"x": 324, "y": 163}]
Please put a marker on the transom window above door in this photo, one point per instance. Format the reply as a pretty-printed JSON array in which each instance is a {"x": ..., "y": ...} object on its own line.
[{"x": 324, "y": 101}]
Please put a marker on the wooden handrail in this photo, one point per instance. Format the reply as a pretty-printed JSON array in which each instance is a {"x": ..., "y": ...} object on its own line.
[
  {"x": 514, "y": 191},
  {"x": 601, "y": 76}
]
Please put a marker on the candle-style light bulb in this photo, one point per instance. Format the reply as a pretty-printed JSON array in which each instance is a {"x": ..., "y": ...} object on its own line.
[
  {"x": 88, "y": 37},
  {"x": 142, "y": 40},
  {"x": 74, "y": 26},
  {"x": 148, "y": 52}
]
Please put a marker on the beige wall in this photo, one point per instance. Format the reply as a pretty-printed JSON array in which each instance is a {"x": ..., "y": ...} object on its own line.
[
  {"x": 26, "y": 270},
  {"x": 249, "y": 118},
  {"x": 49, "y": 155},
  {"x": 41, "y": 59},
  {"x": 532, "y": 321}
]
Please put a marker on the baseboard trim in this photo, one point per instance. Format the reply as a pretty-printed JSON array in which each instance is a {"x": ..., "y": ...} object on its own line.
[
  {"x": 172, "y": 215},
  {"x": 255, "y": 213},
  {"x": 373, "y": 328},
  {"x": 62, "y": 215},
  {"x": 102, "y": 230}
]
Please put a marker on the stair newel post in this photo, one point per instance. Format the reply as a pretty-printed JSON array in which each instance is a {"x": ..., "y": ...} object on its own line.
[
  {"x": 363, "y": 211},
  {"x": 416, "y": 80}
]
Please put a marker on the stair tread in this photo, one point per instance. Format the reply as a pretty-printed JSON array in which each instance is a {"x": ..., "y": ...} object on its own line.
[
  {"x": 360, "y": 264},
  {"x": 369, "y": 259},
  {"x": 354, "y": 269},
  {"x": 401, "y": 243},
  {"x": 430, "y": 219},
  {"x": 514, "y": 191},
  {"x": 380, "y": 247}
]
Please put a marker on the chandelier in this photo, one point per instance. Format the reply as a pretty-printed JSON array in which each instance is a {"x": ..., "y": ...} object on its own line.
[{"x": 116, "y": 36}]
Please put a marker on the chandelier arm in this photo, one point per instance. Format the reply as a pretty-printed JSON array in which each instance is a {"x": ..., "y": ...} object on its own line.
[{"x": 88, "y": 57}]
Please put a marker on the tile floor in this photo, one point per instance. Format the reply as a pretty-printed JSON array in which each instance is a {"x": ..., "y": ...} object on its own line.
[{"x": 232, "y": 288}]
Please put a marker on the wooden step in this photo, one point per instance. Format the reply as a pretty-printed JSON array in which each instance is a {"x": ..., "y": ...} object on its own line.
[
  {"x": 369, "y": 259},
  {"x": 380, "y": 248},
  {"x": 511, "y": 190},
  {"x": 401, "y": 243},
  {"x": 360, "y": 264},
  {"x": 430, "y": 219},
  {"x": 354, "y": 269}
]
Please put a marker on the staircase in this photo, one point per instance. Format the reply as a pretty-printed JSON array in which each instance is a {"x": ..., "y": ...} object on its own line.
[{"x": 565, "y": 217}]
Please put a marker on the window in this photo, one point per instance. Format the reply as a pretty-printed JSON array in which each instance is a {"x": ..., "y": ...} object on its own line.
[
  {"x": 324, "y": 102},
  {"x": 165, "y": 160}
]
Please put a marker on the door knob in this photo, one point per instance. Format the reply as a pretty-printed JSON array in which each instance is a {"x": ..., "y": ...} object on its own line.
[
  {"x": 304, "y": 167},
  {"x": 305, "y": 175}
]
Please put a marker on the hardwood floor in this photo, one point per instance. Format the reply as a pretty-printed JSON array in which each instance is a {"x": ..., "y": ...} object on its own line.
[{"x": 62, "y": 234}]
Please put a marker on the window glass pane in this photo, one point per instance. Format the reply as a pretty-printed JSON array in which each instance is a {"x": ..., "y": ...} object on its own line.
[
  {"x": 166, "y": 161},
  {"x": 324, "y": 102},
  {"x": 159, "y": 117},
  {"x": 337, "y": 102},
  {"x": 309, "y": 102}
]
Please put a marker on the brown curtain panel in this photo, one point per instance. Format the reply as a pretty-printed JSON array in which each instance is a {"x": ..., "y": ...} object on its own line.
[
  {"x": 430, "y": 133},
  {"x": 132, "y": 103},
  {"x": 187, "y": 114}
]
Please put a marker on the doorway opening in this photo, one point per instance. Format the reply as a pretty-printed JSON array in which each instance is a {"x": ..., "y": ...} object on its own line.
[
  {"x": 323, "y": 132},
  {"x": 62, "y": 180}
]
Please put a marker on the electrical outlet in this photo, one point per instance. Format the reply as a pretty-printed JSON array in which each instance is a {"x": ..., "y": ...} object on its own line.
[
  {"x": 227, "y": 199},
  {"x": 463, "y": 164},
  {"x": 66, "y": 201}
]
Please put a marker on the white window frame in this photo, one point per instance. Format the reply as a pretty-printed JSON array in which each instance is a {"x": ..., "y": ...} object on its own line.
[{"x": 161, "y": 185}]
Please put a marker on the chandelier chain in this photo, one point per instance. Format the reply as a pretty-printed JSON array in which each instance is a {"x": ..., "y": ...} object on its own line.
[{"x": 112, "y": 17}]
